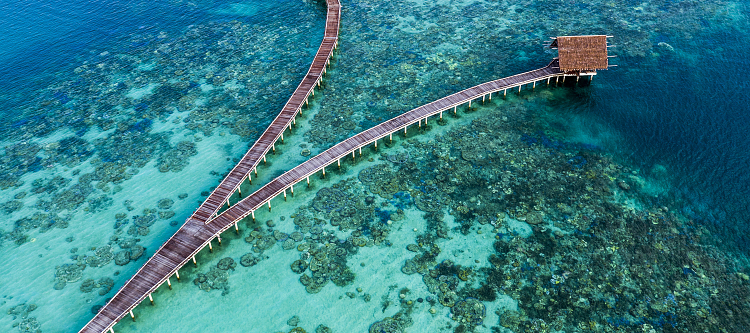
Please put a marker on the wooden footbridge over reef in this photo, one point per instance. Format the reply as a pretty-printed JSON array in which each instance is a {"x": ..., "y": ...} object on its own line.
[{"x": 579, "y": 56}]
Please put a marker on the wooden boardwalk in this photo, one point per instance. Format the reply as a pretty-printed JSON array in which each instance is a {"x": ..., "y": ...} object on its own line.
[
  {"x": 280, "y": 124},
  {"x": 201, "y": 229},
  {"x": 193, "y": 235}
]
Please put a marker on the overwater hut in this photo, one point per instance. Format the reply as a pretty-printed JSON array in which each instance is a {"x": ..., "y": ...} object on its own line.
[{"x": 581, "y": 54}]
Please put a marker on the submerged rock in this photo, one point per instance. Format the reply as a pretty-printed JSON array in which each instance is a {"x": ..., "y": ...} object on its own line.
[
  {"x": 249, "y": 259},
  {"x": 215, "y": 279},
  {"x": 68, "y": 273},
  {"x": 469, "y": 311},
  {"x": 226, "y": 264},
  {"x": 387, "y": 325}
]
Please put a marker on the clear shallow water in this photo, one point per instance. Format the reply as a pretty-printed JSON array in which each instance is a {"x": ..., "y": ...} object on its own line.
[{"x": 118, "y": 120}]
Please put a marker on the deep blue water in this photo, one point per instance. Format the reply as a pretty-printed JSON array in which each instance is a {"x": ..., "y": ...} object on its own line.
[
  {"x": 694, "y": 119},
  {"x": 40, "y": 40}
]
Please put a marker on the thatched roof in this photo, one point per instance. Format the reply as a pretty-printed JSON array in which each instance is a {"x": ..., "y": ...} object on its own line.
[{"x": 580, "y": 53}]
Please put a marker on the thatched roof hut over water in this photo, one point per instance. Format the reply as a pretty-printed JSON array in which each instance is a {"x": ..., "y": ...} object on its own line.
[{"x": 581, "y": 53}]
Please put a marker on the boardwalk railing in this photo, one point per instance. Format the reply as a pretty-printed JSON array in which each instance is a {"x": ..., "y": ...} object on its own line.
[
  {"x": 279, "y": 185},
  {"x": 283, "y": 120},
  {"x": 192, "y": 236}
]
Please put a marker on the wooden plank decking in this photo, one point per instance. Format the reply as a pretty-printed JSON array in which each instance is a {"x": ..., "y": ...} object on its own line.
[{"x": 193, "y": 236}]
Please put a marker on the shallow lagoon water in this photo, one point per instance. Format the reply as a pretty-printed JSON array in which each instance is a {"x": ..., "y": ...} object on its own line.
[{"x": 649, "y": 159}]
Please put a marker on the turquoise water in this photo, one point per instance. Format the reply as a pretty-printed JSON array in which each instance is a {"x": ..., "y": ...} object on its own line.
[{"x": 615, "y": 206}]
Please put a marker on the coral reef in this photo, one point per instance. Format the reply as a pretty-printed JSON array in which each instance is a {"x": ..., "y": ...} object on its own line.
[{"x": 214, "y": 279}]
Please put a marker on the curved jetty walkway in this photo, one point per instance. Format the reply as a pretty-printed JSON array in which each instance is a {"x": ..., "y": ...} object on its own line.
[{"x": 182, "y": 246}]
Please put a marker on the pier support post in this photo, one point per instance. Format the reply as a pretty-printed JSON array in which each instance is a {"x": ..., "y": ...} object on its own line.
[
  {"x": 252, "y": 212},
  {"x": 292, "y": 187},
  {"x": 441, "y": 114},
  {"x": 210, "y": 248},
  {"x": 376, "y": 144},
  {"x": 548, "y": 80},
  {"x": 339, "y": 163},
  {"x": 219, "y": 238},
  {"x": 419, "y": 123},
  {"x": 390, "y": 137},
  {"x": 111, "y": 330},
  {"x": 195, "y": 263},
  {"x": 404, "y": 131},
  {"x": 454, "y": 109},
  {"x": 269, "y": 205},
  {"x": 169, "y": 283},
  {"x": 177, "y": 273},
  {"x": 360, "y": 150},
  {"x": 519, "y": 89},
  {"x": 324, "y": 170},
  {"x": 308, "y": 181},
  {"x": 151, "y": 299},
  {"x": 353, "y": 159},
  {"x": 505, "y": 92},
  {"x": 282, "y": 136},
  {"x": 284, "y": 194},
  {"x": 228, "y": 203},
  {"x": 131, "y": 315},
  {"x": 469, "y": 103},
  {"x": 255, "y": 169},
  {"x": 273, "y": 147},
  {"x": 578, "y": 77},
  {"x": 236, "y": 229},
  {"x": 264, "y": 158},
  {"x": 483, "y": 99},
  {"x": 490, "y": 97},
  {"x": 534, "y": 86},
  {"x": 239, "y": 189}
]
